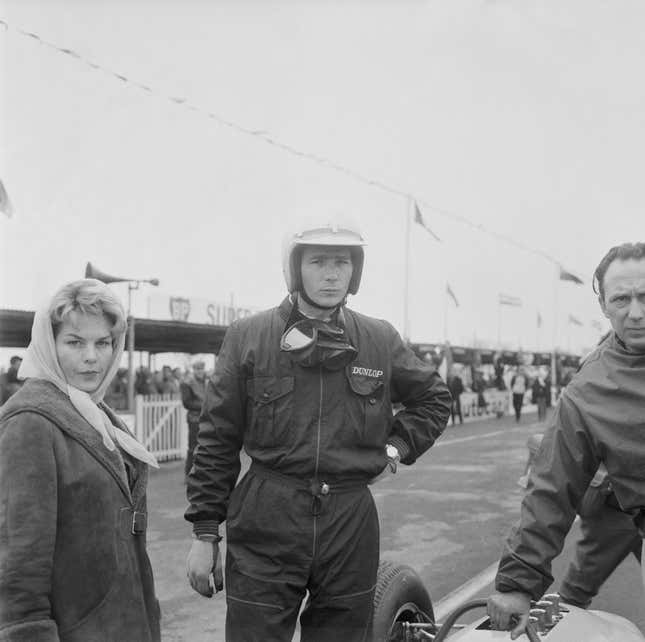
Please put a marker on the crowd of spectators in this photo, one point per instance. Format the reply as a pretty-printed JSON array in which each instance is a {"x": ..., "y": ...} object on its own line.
[
  {"x": 9, "y": 382},
  {"x": 166, "y": 381}
]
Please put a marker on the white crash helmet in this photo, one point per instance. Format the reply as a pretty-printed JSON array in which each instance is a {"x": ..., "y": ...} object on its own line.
[{"x": 333, "y": 230}]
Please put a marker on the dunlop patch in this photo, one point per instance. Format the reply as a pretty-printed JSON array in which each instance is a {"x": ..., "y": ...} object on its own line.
[{"x": 367, "y": 372}]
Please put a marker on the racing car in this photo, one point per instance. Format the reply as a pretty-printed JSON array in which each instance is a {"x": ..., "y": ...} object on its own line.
[{"x": 403, "y": 613}]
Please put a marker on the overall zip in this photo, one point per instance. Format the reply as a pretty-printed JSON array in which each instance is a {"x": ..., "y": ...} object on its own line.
[{"x": 320, "y": 404}]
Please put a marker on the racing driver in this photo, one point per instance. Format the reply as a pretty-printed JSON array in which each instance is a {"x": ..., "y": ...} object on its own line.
[{"x": 306, "y": 389}]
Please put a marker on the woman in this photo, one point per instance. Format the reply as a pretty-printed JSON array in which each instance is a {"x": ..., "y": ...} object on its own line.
[{"x": 73, "y": 562}]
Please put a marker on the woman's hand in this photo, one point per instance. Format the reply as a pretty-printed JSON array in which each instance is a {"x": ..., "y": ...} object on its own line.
[
  {"x": 509, "y": 610},
  {"x": 205, "y": 559}
]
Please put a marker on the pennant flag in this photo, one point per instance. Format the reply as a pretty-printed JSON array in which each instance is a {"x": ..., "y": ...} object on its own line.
[
  {"x": 568, "y": 276},
  {"x": 451, "y": 294},
  {"x": 539, "y": 319},
  {"x": 574, "y": 321},
  {"x": 505, "y": 299},
  {"x": 5, "y": 204},
  {"x": 418, "y": 218}
]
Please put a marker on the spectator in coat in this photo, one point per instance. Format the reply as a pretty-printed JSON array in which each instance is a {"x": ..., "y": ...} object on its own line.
[
  {"x": 117, "y": 393},
  {"x": 167, "y": 384},
  {"x": 10, "y": 381},
  {"x": 456, "y": 387},
  {"x": 478, "y": 387},
  {"x": 193, "y": 392},
  {"x": 539, "y": 395},
  {"x": 144, "y": 383},
  {"x": 549, "y": 384},
  {"x": 519, "y": 386}
]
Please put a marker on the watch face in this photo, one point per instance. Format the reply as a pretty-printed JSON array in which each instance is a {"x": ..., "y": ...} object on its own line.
[{"x": 391, "y": 451}]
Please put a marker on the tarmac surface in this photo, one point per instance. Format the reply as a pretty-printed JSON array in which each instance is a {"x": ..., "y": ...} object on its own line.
[{"x": 446, "y": 517}]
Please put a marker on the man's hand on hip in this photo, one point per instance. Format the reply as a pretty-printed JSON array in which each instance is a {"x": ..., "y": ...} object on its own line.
[
  {"x": 509, "y": 611},
  {"x": 204, "y": 560},
  {"x": 393, "y": 459}
]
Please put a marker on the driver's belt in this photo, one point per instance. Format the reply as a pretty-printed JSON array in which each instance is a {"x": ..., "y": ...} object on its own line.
[{"x": 317, "y": 487}]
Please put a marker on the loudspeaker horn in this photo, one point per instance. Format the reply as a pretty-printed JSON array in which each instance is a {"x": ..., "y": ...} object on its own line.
[{"x": 92, "y": 272}]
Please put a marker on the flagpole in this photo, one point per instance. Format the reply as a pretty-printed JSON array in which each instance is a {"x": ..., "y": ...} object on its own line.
[
  {"x": 445, "y": 314},
  {"x": 406, "y": 285},
  {"x": 537, "y": 332},
  {"x": 499, "y": 324},
  {"x": 554, "y": 372}
]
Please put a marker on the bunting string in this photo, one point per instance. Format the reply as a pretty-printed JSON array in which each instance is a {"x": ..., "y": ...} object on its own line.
[{"x": 264, "y": 136}]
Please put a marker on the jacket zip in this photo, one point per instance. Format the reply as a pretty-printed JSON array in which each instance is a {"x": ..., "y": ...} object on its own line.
[{"x": 320, "y": 404}]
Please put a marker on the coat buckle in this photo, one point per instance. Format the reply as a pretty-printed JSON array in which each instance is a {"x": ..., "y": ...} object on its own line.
[{"x": 139, "y": 522}]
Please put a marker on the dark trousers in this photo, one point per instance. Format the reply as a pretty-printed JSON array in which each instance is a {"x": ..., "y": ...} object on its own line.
[
  {"x": 278, "y": 549},
  {"x": 455, "y": 409},
  {"x": 518, "y": 400},
  {"x": 541, "y": 408},
  {"x": 193, "y": 429}
]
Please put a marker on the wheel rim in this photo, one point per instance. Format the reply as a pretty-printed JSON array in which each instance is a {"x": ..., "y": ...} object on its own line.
[{"x": 412, "y": 613}]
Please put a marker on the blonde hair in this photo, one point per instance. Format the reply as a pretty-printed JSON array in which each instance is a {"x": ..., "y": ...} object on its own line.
[{"x": 87, "y": 296}]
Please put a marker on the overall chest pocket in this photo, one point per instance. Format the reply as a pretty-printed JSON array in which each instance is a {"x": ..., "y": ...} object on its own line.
[
  {"x": 365, "y": 409},
  {"x": 269, "y": 410}
]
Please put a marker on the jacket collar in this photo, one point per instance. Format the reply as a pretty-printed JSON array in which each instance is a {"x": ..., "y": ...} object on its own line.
[
  {"x": 44, "y": 398},
  {"x": 141, "y": 469},
  {"x": 620, "y": 348},
  {"x": 286, "y": 309}
]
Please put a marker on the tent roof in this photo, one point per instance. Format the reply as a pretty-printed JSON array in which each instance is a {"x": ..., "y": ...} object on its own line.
[{"x": 151, "y": 335}]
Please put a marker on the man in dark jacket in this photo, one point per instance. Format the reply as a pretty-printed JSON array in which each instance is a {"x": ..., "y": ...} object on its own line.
[
  {"x": 9, "y": 382},
  {"x": 456, "y": 386},
  {"x": 598, "y": 420},
  {"x": 193, "y": 392},
  {"x": 307, "y": 389}
]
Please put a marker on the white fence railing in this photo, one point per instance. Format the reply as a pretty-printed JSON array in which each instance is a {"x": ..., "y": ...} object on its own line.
[{"x": 160, "y": 425}]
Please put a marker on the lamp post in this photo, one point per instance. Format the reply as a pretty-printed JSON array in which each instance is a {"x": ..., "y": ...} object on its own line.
[{"x": 133, "y": 284}]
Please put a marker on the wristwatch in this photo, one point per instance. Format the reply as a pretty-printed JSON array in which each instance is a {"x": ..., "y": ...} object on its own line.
[{"x": 393, "y": 457}]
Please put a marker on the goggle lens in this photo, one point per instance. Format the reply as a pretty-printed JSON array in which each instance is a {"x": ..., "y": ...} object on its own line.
[{"x": 298, "y": 337}]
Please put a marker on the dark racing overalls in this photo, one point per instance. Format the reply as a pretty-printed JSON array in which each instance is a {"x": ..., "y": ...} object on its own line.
[{"x": 302, "y": 519}]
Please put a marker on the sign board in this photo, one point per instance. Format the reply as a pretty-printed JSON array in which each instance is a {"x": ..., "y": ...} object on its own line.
[{"x": 194, "y": 310}]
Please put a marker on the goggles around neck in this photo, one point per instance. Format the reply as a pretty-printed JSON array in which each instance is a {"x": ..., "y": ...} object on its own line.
[{"x": 311, "y": 342}]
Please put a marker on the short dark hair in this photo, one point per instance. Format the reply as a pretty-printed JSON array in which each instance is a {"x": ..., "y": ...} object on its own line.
[
  {"x": 620, "y": 253},
  {"x": 14, "y": 360}
]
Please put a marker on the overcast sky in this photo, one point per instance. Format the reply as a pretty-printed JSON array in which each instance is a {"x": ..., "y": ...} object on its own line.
[{"x": 526, "y": 119}]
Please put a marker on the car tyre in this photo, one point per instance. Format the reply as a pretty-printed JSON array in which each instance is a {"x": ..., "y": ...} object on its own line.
[{"x": 400, "y": 596}]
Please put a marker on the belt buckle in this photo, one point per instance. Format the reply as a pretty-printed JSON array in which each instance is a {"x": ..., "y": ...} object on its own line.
[
  {"x": 139, "y": 520},
  {"x": 318, "y": 488}
]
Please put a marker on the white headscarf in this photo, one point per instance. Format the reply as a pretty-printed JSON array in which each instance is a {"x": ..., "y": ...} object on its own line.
[{"x": 41, "y": 362}]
